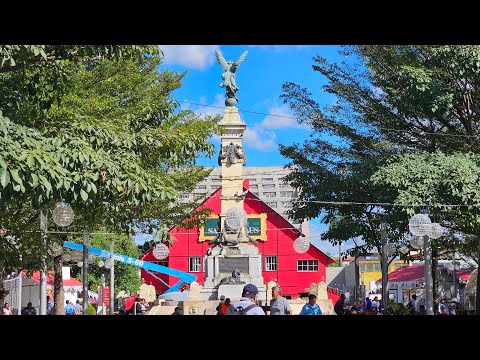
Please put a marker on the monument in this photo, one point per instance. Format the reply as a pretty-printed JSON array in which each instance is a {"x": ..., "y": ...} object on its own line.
[{"x": 233, "y": 261}]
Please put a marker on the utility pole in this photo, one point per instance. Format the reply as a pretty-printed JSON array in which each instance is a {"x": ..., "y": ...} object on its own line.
[
  {"x": 383, "y": 236},
  {"x": 43, "y": 275},
  {"x": 85, "y": 271},
  {"x": 428, "y": 275},
  {"x": 340, "y": 260},
  {"x": 112, "y": 280},
  {"x": 102, "y": 298}
]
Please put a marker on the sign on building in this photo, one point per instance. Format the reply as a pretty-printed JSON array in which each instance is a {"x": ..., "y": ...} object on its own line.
[{"x": 257, "y": 227}]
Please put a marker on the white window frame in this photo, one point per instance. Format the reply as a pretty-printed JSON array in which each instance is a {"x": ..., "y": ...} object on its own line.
[
  {"x": 307, "y": 265},
  {"x": 271, "y": 263},
  {"x": 195, "y": 266}
]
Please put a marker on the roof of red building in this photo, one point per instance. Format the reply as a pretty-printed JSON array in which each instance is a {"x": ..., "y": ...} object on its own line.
[
  {"x": 406, "y": 274},
  {"x": 464, "y": 274},
  {"x": 70, "y": 282},
  {"x": 414, "y": 273}
]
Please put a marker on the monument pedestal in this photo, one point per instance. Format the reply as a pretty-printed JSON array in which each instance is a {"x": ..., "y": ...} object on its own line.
[{"x": 221, "y": 262}]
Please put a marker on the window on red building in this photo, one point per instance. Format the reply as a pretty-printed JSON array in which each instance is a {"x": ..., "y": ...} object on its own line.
[
  {"x": 162, "y": 263},
  {"x": 195, "y": 264},
  {"x": 270, "y": 263},
  {"x": 307, "y": 265}
]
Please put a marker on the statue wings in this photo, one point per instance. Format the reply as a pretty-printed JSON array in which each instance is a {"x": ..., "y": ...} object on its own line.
[
  {"x": 241, "y": 58},
  {"x": 221, "y": 60},
  {"x": 223, "y": 63}
]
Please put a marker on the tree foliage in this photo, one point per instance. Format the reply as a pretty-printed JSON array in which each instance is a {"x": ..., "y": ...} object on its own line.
[
  {"x": 403, "y": 129},
  {"x": 96, "y": 127}
]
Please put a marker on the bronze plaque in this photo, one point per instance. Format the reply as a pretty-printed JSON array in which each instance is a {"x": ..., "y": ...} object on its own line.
[{"x": 227, "y": 265}]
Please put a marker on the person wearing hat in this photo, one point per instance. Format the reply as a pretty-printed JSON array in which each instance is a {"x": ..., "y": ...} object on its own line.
[
  {"x": 248, "y": 303},
  {"x": 311, "y": 307}
]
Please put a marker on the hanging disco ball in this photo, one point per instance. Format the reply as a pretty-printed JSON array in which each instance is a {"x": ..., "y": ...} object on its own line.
[
  {"x": 160, "y": 251},
  {"x": 389, "y": 249},
  {"x": 91, "y": 258},
  {"x": 108, "y": 263},
  {"x": 404, "y": 250},
  {"x": 301, "y": 245},
  {"x": 435, "y": 231},
  {"x": 417, "y": 242},
  {"x": 76, "y": 256},
  {"x": 101, "y": 263},
  {"x": 419, "y": 224},
  {"x": 235, "y": 219},
  {"x": 63, "y": 215},
  {"x": 67, "y": 257},
  {"x": 55, "y": 249},
  {"x": 80, "y": 264}
]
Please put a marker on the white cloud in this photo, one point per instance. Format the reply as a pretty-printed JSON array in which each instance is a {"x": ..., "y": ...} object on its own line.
[
  {"x": 259, "y": 139},
  {"x": 278, "y": 48},
  {"x": 193, "y": 56},
  {"x": 281, "y": 117}
]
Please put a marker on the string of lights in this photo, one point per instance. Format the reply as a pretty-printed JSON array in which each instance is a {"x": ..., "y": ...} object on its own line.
[{"x": 421, "y": 132}]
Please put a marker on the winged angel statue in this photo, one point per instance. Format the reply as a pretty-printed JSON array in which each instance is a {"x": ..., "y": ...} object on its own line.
[{"x": 228, "y": 77}]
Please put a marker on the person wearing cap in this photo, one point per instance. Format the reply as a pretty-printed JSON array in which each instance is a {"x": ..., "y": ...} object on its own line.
[
  {"x": 279, "y": 305},
  {"x": 311, "y": 307},
  {"x": 248, "y": 302}
]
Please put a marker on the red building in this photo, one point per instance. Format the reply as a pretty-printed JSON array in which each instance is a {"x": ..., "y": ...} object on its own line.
[{"x": 293, "y": 271}]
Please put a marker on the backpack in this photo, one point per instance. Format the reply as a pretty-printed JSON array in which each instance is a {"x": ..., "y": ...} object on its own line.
[
  {"x": 241, "y": 311},
  {"x": 70, "y": 311}
]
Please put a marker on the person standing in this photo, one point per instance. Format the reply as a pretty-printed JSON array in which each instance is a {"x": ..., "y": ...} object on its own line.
[
  {"x": 50, "y": 304},
  {"x": 6, "y": 309},
  {"x": 78, "y": 308},
  {"x": 219, "y": 307},
  {"x": 248, "y": 303},
  {"x": 311, "y": 307},
  {"x": 29, "y": 309},
  {"x": 340, "y": 305},
  {"x": 279, "y": 305}
]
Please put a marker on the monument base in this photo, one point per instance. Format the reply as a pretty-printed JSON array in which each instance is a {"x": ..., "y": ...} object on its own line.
[{"x": 220, "y": 266}]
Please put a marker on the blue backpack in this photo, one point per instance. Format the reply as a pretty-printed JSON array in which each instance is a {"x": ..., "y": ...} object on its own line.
[{"x": 70, "y": 310}]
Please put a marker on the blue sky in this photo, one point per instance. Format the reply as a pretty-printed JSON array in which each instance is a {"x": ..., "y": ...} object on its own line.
[{"x": 259, "y": 78}]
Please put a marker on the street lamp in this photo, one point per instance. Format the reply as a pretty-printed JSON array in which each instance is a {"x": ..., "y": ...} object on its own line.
[{"x": 421, "y": 225}]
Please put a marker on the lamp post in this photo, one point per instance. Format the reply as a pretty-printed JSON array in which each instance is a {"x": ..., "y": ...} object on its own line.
[
  {"x": 63, "y": 216},
  {"x": 112, "y": 280},
  {"x": 43, "y": 276},
  {"x": 85, "y": 271},
  {"x": 421, "y": 225}
]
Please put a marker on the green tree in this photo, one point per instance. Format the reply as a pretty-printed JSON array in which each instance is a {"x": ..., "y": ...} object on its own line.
[
  {"x": 108, "y": 139},
  {"x": 390, "y": 101}
]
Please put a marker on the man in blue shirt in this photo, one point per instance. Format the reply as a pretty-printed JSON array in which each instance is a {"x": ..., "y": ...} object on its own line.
[
  {"x": 311, "y": 308},
  {"x": 69, "y": 308}
]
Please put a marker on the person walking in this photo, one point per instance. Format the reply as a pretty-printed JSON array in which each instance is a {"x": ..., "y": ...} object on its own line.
[
  {"x": 279, "y": 305},
  {"x": 311, "y": 307},
  {"x": 247, "y": 304},
  {"x": 78, "y": 308},
  {"x": 69, "y": 308}
]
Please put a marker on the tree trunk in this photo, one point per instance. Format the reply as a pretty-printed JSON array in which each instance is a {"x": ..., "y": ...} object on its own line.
[
  {"x": 477, "y": 291},
  {"x": 3, "y": 291},
  {"x": 357, "y": 281},
  {"x": 58, "y": 286},
  {"x": 435, "y": 276}
]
